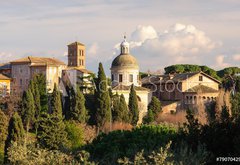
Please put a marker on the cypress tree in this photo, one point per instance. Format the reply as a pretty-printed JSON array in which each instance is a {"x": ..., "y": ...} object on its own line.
[
  {"x": 154, "y": 106},
  {"x": 33, "y": 85},
  {"x": 103, "y": 113},
  {"x": 42, "y": 89},
  {"x": 79, "y": 112},
  {"x": 116, "y": 113},
  {"x": 123, "y": 108},
  {"x": 56, "y": 102},
  {"x": 28, "y": 109},
  {"x": 15, "y": 132},
  {"x": 133, "y": 106},
  {"x": 51, "y": 132},
  {"x": 66, "y": 108}
]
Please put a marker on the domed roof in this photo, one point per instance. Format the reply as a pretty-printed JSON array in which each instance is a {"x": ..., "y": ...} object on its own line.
[{"x": 125, "y": 61}]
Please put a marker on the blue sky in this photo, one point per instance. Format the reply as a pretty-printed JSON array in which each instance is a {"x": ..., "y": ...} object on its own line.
[{"x": 160, "y": 32}]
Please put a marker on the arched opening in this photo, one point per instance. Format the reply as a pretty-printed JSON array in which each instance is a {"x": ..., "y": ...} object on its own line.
[{"x": 139, "y": 98}]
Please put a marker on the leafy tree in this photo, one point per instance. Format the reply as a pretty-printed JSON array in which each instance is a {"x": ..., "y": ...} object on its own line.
[
  {"x": 133, "y": 106},
  {"x": 3, "y": 133},
  {"x": 149, "y": 118},
  {"x": 56, "y": 102},
  {"x": 78, "y": 111},
  {"x": 103, "y": 113},
  {"x": 28, "y": 109},
  {"x": 15, "y": 132},
  {"x": 51, "y": 132}
]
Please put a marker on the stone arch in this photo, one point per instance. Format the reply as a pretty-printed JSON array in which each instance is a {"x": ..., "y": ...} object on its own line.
[{"x": 139, "y": 98}]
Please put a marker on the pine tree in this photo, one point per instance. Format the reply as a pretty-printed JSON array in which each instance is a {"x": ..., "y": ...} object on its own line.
[
  {"x": 103, "y": 114},
  {"x": 51, "y": 132},
  {"x": 28, "y": 109},
  {"x": 79, "y": 112},
  {"x": 123, "y": 108},
  {"x": 56, "y": 102},
  {"x": 15, "y": 132},
  {"x": 133, "y": 106},
  {"x": 154, "y": 106}
]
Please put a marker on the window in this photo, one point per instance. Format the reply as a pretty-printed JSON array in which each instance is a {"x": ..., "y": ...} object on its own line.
[
  {"x": 120, "y": 78},
  {"x": 200, "y": 78},
  {"x": 20, "y": 82},
  {"x": 131, "y": 78},
  {"x": 112, "y": 77}
]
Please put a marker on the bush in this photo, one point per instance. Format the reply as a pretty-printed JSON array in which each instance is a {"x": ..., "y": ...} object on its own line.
[
  {"x": 108, "y": 148},
  {"x": 75, "y": 134}
]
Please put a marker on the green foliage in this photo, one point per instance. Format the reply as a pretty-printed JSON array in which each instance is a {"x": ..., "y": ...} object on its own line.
[
  {"x": 78, "y": 110},
  {"x": 103, "y": 105},
  {"x": 3, "y": 133},
  {"x": 56, "y": 102},
  {"x": 159, "y": 157},
  {"x": 15, "y": 132},
  {"x": 119, "y": 144},
  {"x": 23, "y": 154},
  {"x": 74, "y": 134},
  {"x": 51, "y": 132},
  {"x": 133, "y": 106},
  {"x": 154, "y": 108},
  {"x": 143, "y": 74},
  {"x": 40, "y": 80},
  {"x": 120, "y": 109},
  {"x": 185, "y": 68},
  {"x": 235, "y": 101},
  {"x": 28, "y": 109},
  {"x": 228, "y": 71}
]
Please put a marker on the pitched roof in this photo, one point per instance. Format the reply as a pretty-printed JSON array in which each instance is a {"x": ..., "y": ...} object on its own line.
[
  {"x": 3, "y": 77},
  {"x": 201, "y": 89},
  {"x": 5, "y": 66},
  {"x": 174, "y": 78},
  {"x": 76, "y": 43},
  {"x": 79, "y": 69},
  {"x": 124, "y": 87},
  {"x": 37, "y": 61}
]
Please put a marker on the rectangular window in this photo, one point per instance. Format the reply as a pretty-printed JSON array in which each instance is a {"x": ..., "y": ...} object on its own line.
[
  {"x": 120, "y": 77},
  {"x": 20, "y": 82},
  {"x": 112, "y": 77},
  {"x": 200, "y": 78},
  {"x": 131, "y": 78}
]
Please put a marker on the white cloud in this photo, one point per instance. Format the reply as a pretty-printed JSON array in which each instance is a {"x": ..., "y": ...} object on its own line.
[
  {"x": 178, "y": 44},
  {"x": 236, "y": 57},
  {"x": 220, "y": 62},
  {"x": 4, "y": 57}
]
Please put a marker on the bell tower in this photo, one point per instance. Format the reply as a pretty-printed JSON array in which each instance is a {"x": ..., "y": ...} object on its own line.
[{"x": 76, "y": 55}]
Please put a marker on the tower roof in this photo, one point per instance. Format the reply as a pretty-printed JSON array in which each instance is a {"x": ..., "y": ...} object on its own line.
[{"x": 76, "y": 43}]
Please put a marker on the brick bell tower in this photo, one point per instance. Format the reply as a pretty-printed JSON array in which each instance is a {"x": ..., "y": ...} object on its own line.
[{"x": 76, "y": 55}]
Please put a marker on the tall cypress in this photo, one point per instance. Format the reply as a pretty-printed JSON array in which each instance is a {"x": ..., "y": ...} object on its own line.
[
  {"x": 56, "y": 102},
  {"x": 28, "y": 109},
  {"x": 34, "y": 87},
  {"x": 155, "y": 106},
  {"x": 133, "y": 106},
  {"x": 116, "y": 113},
  {"x": 123, "y": 108},
  {"x": 42, "y": 89},
  {"x": 15, "y": 132},
  {"x": 103, "y": 114},
  {"x": 79, "y": 112}
]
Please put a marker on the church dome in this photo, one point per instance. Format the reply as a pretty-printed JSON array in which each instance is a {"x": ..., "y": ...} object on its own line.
[{"x": 125, "y": 61}]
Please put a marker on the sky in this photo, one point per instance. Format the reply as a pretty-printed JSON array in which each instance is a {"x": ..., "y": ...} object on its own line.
[{"x": 160, "y": 32}]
